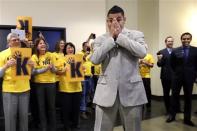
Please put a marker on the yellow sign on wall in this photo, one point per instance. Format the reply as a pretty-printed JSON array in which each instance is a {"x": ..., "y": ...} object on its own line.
[
  {"x": 75, "y": 70},
  {"x": 22, "y": 70},
  {"x": 25, "y": 23}
]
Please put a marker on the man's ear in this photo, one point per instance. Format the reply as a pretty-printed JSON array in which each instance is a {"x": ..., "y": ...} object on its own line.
[
  {"x": 9, "y": 44},
  {"x": 125, "y": 19}
]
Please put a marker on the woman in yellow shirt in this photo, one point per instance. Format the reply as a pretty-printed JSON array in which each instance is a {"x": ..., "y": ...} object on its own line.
[
  {"x": 44, "y": 79},
  {"x": 70, "y": 94},
  {"x": 145, "y": 66},
  {"x": 59, "y": 54}
]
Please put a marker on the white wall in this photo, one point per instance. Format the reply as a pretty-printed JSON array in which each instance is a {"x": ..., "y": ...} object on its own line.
[
  {"x": 149, "y": 25},
  {"x": 176, "y": 17},
  {"x": 0, "y": 10},
  {"x": 79, "y": 17}
]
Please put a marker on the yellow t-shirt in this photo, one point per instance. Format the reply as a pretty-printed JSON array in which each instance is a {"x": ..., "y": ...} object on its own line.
[
  {"x": 64, "y": 85},
  {"x": 144, "y": 69},
  {"x": 57, "y": 63},
  {"x": 97, "y": 69},
  {"x": 87, "y": 65},
  {"x": 81, "y": 52},
  {"x": 42, "y": 62},
  {"x": 9, "y": 84}
]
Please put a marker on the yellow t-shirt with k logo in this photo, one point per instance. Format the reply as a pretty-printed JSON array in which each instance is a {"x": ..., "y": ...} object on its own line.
[
  {"x": 9, "y": 84},
  {"x": 42, "y": 62}
]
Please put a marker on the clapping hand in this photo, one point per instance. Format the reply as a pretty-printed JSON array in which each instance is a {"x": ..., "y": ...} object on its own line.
[
  {"x": 159, "y": 57},
  {"x": 11, "y": 62},
  {"x": 31, "y": 63}
]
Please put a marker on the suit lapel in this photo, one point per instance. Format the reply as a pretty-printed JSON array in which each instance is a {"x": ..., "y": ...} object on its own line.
[{"x": 190, "y": 51}]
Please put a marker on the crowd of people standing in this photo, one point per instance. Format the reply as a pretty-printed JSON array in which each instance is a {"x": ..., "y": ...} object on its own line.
[
  {"x": 122, "y": 56},
  {"x": 49, "y": 87}
]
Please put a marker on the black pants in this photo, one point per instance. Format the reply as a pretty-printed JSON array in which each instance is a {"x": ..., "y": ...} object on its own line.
[
  {"x": 34, "y": 105},
  {"x": 146, "y": 82},
  {"x": 46, "y": 105},
  {"x": 95, "y": 79},
  {"x": 167, "y": 86},
  {"x": 187, "y": 85},
  {"x": 71, "y": 109},
  {"x": 57, "y": 98}
]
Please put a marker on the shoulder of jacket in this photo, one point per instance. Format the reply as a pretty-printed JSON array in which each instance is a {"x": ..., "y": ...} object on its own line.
[
  {"x": 101, "y": 38},
  {"x": 193, "y": 47},
  {"x": 162, "y": 50},
  {"x": 133, "y": 31},
  {"x": 178, "y": 48}
]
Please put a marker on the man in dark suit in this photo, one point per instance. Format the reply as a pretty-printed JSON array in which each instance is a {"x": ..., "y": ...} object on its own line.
[
  {"x": 184, "y": 65},
  {"x": 163, "y": 57}
]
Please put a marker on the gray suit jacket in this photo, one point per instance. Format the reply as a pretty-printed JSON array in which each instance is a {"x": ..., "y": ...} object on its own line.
[{"x": 120, "y": 71}]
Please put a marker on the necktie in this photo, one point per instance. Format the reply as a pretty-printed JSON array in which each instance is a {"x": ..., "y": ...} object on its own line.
[
  {"x": 170, "y": 51},
  {"x": 186, "y": 52}
]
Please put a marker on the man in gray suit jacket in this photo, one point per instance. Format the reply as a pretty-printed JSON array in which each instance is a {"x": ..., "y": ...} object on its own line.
[{"x": 120, "y": 88}]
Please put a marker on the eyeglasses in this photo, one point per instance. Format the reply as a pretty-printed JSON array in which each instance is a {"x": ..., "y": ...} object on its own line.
[{"x": 14, "y": 40}]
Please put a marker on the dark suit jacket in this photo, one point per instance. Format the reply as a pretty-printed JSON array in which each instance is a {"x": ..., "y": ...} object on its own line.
[
  {"x": 182, "y": 68},
  {"x": 164, "y": 63}
]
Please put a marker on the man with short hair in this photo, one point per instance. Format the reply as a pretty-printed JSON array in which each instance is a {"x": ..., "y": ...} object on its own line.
[
  {"x": 120, "y": 88},
  {"x": 184, "y": 65},
  {"x": 166, "y": 73},
  {"x": 87, "y": 83}
]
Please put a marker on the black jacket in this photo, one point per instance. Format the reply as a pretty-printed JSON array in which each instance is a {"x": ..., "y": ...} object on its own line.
[
  {"x": 182, "y": 68},
  {"x": 164, "y": 63}
]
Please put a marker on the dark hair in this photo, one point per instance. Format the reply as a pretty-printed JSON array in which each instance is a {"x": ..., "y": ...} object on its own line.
[
  {"x": 167, "y": 38},
  {"x": 23, "y": 44},
  {"x": 36, "y": 42},
  {"x": 115, "y": 9},
  {"x": 38, "y": 33},
  {"x": 57, "y": 45},
  {"x": 186, "y": 33},
  {"x": 70, "y": 44},
  {"x": 83, "y": 44},
  {"x": 93, "y": 36}
]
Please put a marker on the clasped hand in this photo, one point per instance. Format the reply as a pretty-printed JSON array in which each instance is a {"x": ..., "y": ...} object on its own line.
[{"x": 115, "y": 28}]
